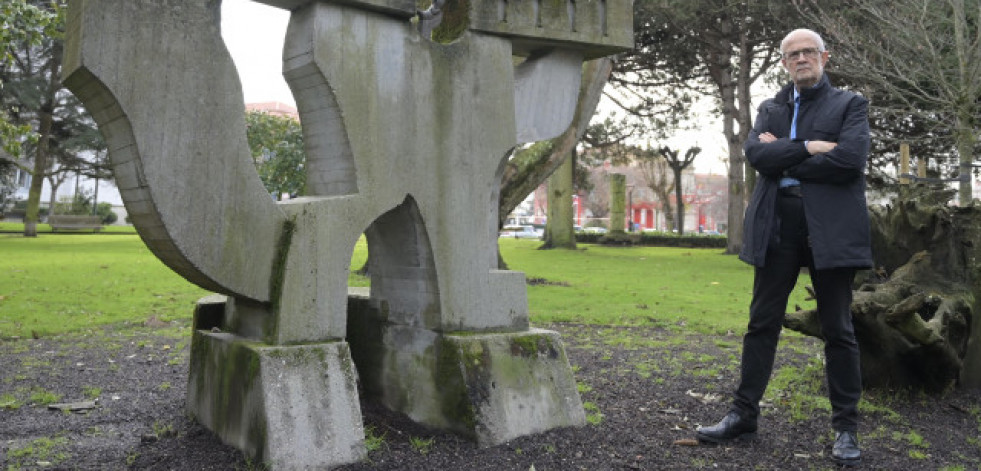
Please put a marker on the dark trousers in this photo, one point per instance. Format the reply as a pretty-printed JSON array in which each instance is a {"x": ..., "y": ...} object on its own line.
[{"x": 772, "y": 286}]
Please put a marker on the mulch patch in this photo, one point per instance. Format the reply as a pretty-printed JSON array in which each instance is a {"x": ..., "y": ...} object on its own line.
[{"x": 646, "y": 389}]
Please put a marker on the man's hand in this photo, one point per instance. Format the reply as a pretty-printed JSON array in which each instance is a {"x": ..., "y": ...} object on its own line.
[
  {"x": 819, "y": 147},
  {"x": 767, "y": 138}
]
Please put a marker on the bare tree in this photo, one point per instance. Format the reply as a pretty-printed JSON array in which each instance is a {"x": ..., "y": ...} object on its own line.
[
  {"x": 655, "y": 171},
  {"x": 915, "y": 59},
  {"x": 678, "y": 164},
  {"x": 598, "y": 202}
]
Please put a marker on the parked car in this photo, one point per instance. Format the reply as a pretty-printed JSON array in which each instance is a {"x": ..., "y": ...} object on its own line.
[
  {"x": 521, "y": 232},
  {"x": 595, "y": 230}
]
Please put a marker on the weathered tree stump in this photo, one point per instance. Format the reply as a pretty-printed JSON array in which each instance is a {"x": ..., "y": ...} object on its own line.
[{"x": 914, "y": 313}]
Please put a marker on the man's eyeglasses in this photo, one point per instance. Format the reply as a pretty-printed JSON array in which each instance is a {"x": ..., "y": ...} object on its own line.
[{"x": 808, "y": 53}]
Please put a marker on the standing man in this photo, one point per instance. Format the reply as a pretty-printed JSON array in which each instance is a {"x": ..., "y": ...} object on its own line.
[{"x": 810, "y": 144}]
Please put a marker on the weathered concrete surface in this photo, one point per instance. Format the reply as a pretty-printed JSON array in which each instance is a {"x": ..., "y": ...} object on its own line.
[
  {"x": 159, "y": 82},
  {"x": 406, "y": 140},
  {"x": 290, "y": 407},
  {"x": 420, "y": 150},
  {"x": 545, "y": 90},
  {"x": 618, "y": 202},
  {"x": 596, "y": 27},
  {"x": 517, "y": 383},
  {"x": 491, "y": 387}
]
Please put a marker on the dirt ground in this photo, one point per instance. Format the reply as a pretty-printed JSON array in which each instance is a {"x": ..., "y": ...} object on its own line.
[{"x": 645, "y": 390}]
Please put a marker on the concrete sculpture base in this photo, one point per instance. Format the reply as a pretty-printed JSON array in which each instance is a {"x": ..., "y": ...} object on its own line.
[
  {"x": 491, "y": 387},
  {"x": 287, "y": 407}
]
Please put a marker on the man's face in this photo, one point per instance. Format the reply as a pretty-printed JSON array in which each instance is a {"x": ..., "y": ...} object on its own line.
[{"x": 803, "y": 61}]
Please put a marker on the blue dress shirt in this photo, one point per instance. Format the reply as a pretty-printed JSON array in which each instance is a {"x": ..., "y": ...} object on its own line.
[{"x": 789, "y": 181}]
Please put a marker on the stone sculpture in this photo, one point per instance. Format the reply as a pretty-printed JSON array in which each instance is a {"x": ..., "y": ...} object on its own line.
[{"x": 405, "y": 141}]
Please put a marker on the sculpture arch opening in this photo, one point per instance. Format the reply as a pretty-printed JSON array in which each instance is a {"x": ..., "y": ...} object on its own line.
[{"x": 404, "y": 286}]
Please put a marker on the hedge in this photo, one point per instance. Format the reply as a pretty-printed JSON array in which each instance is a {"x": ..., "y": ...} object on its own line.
[{"x": 655, "y": 239}]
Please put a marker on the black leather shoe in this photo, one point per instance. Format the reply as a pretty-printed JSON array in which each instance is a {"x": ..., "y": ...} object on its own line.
[
  {"x": 732, "y": 427},
  {"x": 846, "y": 451}
]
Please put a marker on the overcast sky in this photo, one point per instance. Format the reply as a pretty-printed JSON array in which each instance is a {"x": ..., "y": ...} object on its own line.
[{"x": 254, "y": 34}]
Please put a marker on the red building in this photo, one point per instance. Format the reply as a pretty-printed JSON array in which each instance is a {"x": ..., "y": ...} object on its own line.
[{"x": 705, "y": 198}]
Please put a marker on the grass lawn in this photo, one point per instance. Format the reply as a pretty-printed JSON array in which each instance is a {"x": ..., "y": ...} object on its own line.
[
  {"x": 697, "y": 289},
  {"x": 63, "y": 283},
  {"x": 68, "y": 283}
]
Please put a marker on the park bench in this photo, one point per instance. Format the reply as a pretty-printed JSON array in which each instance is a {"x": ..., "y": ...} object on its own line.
[{"x": 74, "y": 222}]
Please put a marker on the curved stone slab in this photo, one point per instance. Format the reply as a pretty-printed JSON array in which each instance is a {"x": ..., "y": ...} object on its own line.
[
  {"x": 546, "y": 88},
  {"x": 159, "y": 82}
]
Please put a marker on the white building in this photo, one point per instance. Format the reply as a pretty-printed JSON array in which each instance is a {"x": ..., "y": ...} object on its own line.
[{"x": 107, "y": 191}]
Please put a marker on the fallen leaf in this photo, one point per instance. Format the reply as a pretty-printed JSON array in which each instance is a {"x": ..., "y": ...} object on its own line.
[
  {"x": 686, "y": 442},
  {"x": 706, "y": 398}
]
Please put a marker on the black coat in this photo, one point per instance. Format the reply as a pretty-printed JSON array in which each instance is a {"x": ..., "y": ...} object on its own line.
[{"x": 833, "y": 183}]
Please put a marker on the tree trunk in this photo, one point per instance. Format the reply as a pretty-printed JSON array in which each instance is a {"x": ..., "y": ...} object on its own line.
[
  {"x": 669, "y": 214},
  {"x": 32, "y": 215},
  {"x": 95, "y": 198},
  {"x": 914, "y": 316},
  {"x": 734, "y": 223},
  {"x": 679, "y": 199},
  {"x": 744, "y": 112},
  {"x": 54, "y": 183},
  {"x": 42, "y": 155},
  {"x": 558, "y": 230},
  {"x": 965, "y": 147},
  {"x": 966, "y": 102}
]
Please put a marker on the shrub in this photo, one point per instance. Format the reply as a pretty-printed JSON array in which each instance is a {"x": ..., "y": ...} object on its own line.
[{"x": 105, "y": 213}]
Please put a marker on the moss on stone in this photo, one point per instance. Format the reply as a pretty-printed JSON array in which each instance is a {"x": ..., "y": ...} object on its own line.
[
  {"x": 455, "y": 401},
  {"x": 294, "y": 355},
  {"x": 225, "y": 373},
  {"x": 258, "y": 435},
  {"x": 525, "y": 345},
  {"x": 456, "y": 20},
  {"x": 279, "y": 263}
]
